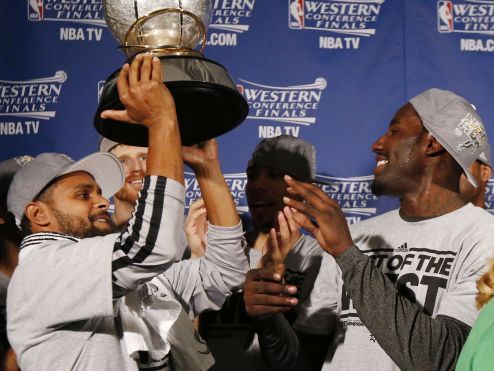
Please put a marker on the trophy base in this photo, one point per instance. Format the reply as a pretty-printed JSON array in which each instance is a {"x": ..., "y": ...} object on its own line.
[{"x": 207, "y": 101}]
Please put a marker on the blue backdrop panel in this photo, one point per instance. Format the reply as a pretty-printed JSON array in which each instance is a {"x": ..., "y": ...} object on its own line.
[{"x": 330, "y": 72}]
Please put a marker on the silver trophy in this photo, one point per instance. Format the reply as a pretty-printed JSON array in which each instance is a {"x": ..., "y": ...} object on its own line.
[{"x": 207, "y": 100}]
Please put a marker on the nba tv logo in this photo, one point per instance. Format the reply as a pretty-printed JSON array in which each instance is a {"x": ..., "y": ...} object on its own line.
[
  {"x": 445, "y": 16},
  {"x": 35, "y": 10},
  {"x": 296, "y": 14}
]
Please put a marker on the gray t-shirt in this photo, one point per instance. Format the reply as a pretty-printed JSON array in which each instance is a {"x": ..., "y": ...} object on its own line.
[{"x": 435, "y": 264}]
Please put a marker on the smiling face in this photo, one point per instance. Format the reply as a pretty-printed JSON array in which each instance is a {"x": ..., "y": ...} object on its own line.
[
  {"x": 74, "y": 206},
  {"x": 134, "y": 162},
  {"x": 265, "y": 189},
  {"x": 400, "y": 154}
]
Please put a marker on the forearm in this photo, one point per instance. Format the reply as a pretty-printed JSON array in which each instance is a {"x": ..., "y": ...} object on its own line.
[
  {"x": 203, "y": 284},
  {"x": 285, "y": 349},
  {"x": 413, "y": 339},
  {"x": 278, "y": 342},
  {"x": 221, "y": 210},
  {"x": 149, "y": 244},
  {"x": 225, "y": 250},
  {"x": 165, "y": 151}
]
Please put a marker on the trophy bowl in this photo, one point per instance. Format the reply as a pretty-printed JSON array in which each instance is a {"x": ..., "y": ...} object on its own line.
[{"x": 207, "y": 101}]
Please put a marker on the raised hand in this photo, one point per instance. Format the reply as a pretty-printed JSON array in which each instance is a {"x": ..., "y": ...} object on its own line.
[
  {"x": 141, "y": 90},
  {"x": 265, "y": 295},
  {"x": 281, "y": 240},
  {"x": 319, "y": 215},
  {"x": 195, "y": 228},
  {"x": 201, "y": 155}
]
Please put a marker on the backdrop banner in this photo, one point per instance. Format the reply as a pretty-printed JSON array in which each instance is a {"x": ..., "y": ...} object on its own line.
[{"x": 331, "y": 72}]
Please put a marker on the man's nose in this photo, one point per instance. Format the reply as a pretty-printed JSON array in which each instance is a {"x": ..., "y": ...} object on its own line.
[
  {"x": 102, "y": 203},
  {"x": 378, "y": 145},
  {"x": 135, "y": 165}
]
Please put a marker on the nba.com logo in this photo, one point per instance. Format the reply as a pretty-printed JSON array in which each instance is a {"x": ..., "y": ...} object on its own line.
[
  {"x": 445, "y": 16},
  {"x": 35, "y": 10},
  {"x": 296, "y": 10}
]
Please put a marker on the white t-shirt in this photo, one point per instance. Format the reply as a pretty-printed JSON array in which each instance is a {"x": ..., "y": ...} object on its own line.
[{"x": 435, "y": 263}]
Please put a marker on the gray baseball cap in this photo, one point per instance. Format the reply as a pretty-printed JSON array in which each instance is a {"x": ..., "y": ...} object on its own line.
[
  {"x": 30, "y": 180},
  {"x": 288, "y": 154},
  {"x": 456, "y": 125},
  {"x": 106, "y": 145},
  {"x": 8, "y": 168}
]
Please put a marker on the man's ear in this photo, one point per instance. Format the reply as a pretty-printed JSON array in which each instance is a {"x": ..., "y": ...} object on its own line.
[
  {"x": 485, "y": 172},
  {"x": 433, "y": 147},
  {"x": 37, "y": 213}
]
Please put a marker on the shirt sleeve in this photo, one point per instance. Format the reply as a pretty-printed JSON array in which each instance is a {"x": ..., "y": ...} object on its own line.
[
  {"x": 151, "y": 242},
  {"x": 203, "y": 284},
  {"x": 413, "y": 339}
]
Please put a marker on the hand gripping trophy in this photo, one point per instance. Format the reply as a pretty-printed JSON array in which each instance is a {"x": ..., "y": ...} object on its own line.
[{"x": 207, "y": 100}]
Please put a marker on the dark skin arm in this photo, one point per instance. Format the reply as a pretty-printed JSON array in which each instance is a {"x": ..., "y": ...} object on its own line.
[
  {"x": 282, "y": 347},
  {"x": 266, "y": 297},
  {"x": 411, "y": 338}
]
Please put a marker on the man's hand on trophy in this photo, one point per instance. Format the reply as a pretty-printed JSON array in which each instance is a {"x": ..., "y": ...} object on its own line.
[{"x": 146, "y": 99}]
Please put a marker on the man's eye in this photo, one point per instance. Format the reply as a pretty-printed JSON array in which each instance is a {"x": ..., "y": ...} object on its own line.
[
  {"x": 83, "y": 195},
  {"x": 124, "y": 161}
]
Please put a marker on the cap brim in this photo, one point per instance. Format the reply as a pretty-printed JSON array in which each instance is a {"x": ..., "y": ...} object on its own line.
[
  {"x": 106, "y": 145},
  {"x": 470, "y": 178},
  {"x": 105, "y": 168}
]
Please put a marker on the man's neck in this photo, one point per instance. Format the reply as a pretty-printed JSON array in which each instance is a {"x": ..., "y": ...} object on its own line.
[
  {"x": 431, "y": 203},
  {"x": 123, "y": 212}
]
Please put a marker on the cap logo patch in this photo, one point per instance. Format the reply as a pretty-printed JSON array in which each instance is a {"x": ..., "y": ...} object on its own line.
[
  {"x": 475, "y": 132},
  {"x": 23, "y": 160}
]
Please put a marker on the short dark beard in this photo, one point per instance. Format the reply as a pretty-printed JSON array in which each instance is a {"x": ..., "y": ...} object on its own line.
[
  {"x": 377, "y": 189},
  {"x": 66, "y": 223}
]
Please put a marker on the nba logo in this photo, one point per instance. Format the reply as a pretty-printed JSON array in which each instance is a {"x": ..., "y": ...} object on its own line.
[
  {"x": 296, "y": 14},
  {"x": 240, "y": 89},
  {"x": 445, "y": 16},
  {"x": 35, "y": 10}
]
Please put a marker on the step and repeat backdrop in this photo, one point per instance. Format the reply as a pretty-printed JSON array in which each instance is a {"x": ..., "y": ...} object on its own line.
[{"x": 331, "y": 72}]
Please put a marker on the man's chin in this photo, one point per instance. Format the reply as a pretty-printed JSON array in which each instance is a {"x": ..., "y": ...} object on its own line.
[
  {"x": 127, "y": 194},
  {"x": 377, "y": 188},
  {"x": 97, "y": 231},
  {"x": 102, "y": 231}
]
